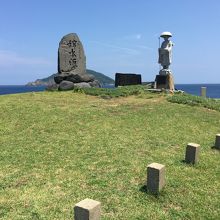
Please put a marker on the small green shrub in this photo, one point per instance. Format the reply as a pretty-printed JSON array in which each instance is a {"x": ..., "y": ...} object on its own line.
[{"x": 114, "y": 92}]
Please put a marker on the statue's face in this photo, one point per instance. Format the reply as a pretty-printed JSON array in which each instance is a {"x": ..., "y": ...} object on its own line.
[{"x": 166, "y": 37}]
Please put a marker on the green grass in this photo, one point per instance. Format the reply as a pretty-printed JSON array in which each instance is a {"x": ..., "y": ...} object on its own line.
[
  {"x": 193, "y": 100},
  {"x": 58, "y": 148}
]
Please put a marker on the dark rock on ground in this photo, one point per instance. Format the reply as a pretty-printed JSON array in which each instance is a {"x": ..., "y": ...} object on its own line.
[
  {"x": 95, "y": 83},
  {"x": 75, "y": 78},
  {"x": 78, "y": 78},
  {"x": 66, "y": 85},
  {"x": 52, "y": 87},
  {"x": 58, "y": 79},
  {"x": 82, "y": 85}
]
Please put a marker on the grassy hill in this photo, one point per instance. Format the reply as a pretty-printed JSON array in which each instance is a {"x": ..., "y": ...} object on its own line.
[
  {"x": 103, "y": 79},
  {"x": 58, "y": 148}
]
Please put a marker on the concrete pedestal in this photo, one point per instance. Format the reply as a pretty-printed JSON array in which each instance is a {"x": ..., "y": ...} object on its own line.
[{"x": 164, "y": 82}]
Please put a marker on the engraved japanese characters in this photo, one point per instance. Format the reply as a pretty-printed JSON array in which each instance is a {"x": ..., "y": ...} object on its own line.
[{"x": 71, "y": 57}]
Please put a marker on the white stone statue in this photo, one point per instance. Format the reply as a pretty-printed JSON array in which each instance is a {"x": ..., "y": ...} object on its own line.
[{"x": 165, "y": 53}]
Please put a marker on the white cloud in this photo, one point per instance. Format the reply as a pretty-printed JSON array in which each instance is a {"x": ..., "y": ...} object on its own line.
[
  {"x": 133, "y": 37},
  {"x": 145, "y": 47},
  {"x": 138, "y": 36},
  {"x": 10, "y": 58},
  {"x": 125, "y": 49}
]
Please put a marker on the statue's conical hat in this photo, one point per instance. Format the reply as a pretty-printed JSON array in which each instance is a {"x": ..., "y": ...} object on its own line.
[{"x": 166, "y": 33}]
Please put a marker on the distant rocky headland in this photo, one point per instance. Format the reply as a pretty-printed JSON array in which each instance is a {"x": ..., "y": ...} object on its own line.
[{"x": 103, "y": 79}]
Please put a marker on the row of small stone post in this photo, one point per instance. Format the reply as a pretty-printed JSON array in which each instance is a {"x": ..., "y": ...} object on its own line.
[
  {"x": 89, "y": 209},
  {"x": 156, "y": 172}
]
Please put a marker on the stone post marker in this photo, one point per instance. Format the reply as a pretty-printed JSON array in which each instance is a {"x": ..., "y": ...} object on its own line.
[
  {"x": 217, "y": 141},
  {"x": 192, "y": 153},
  {"x": 155, "y": 177},
  {"x": 203, "y": 92},
  {"x": 87, "y": 209}
]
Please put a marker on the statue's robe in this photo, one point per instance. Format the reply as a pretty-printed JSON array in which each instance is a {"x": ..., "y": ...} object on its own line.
[{"x": 165, "y": 54}]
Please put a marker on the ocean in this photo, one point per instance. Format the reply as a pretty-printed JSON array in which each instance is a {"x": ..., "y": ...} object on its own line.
[
  {"x": 4, "y": 90},
  {"x": 213, "y": 90}
]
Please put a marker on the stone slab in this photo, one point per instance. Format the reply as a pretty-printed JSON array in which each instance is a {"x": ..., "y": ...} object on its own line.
[
  {"x": 87, "y": 209},
  {"x": 125, "y": 79}
]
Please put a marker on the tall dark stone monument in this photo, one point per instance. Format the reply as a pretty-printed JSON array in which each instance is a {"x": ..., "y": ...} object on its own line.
[
  {"x": 72, "y": 65},
  {"x": 71, "y": 56}
]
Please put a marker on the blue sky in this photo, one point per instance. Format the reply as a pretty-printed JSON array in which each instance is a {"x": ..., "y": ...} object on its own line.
[{"x": 118, "y": 36}]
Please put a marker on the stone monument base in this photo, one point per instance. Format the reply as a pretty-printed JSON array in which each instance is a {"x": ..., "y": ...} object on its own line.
[
  {"x": 73, "y": 77},
  {"x": 165, "y": 82},
  {"x": 69, "y": 81}
]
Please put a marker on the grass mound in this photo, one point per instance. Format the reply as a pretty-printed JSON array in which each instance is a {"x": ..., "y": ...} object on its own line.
[{"x": 60, "y": 148}]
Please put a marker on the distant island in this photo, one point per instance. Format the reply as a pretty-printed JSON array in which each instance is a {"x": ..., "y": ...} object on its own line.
[{"x": 103, "y": 79}]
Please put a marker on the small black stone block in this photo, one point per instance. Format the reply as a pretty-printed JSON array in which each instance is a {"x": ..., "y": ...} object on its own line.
[{"x": 124, "y": 79}]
